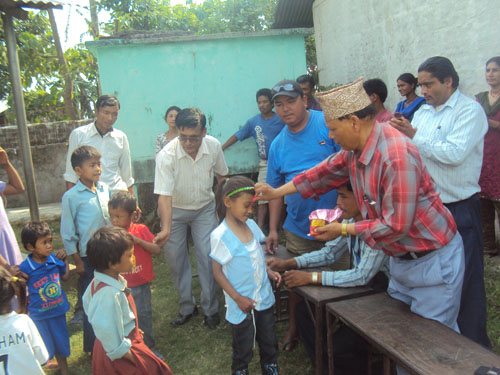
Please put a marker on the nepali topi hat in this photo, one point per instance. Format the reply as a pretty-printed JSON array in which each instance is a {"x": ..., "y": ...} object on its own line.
[{"x": 343, "y": 100}]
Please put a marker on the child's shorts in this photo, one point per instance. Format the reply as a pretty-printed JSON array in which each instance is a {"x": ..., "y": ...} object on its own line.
[{"x": 54, "y": 332}]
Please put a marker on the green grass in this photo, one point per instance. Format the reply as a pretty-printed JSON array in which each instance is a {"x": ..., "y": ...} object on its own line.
[
  {"x": 194, "y": 349},
  {"x": 190, "y": 349}
]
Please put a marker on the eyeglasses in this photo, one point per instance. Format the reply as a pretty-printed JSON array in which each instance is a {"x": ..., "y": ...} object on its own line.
[
  {"x": 285, "y": 87},
  {"x": 191, "y": 139}
]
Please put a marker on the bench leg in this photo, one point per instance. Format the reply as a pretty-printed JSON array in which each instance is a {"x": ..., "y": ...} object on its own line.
[
  {"x": 331, "y": 323},
  {"x": 387, "y": 365},
  {"x": 318, "y": 348}
]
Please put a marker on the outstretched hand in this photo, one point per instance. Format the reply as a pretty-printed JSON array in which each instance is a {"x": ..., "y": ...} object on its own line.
[
  {"x": 264, "y": 192},
  {"x": 328, "y": 232}
]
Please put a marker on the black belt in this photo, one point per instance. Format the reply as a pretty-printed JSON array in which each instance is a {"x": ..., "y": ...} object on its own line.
[{"x": 415, "y": 255}]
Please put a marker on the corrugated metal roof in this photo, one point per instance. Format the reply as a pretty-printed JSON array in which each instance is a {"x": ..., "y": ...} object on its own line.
[
  {"x": 35, "y": 4},
  {"x": 293, "y": 13}
]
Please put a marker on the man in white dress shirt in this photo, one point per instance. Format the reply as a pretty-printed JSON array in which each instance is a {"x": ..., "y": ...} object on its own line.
[
  {"x": 184, "y": 177},
  {"x": 448, "y": 132},
  {"x": 110, "y": 142}
]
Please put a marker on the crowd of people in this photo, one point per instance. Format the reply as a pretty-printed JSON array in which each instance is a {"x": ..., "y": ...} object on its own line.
[{"x": 417, "y": 187}]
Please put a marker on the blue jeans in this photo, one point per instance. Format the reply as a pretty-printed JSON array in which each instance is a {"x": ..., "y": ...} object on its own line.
[{"x": 142, "y": 299}]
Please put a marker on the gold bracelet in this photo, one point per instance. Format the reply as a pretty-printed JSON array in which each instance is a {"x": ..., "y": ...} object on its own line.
[
  {"x": 343, "y": 229},
  {"x": 315, "y": 277}
]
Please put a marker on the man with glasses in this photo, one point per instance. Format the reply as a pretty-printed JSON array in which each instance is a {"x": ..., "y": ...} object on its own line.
[
  {"x": 184, "y": 176},
  {"x": 303, "y": 143}
]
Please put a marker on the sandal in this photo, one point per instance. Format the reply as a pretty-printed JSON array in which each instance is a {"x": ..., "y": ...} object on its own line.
[{"x": 288, "y": 345}]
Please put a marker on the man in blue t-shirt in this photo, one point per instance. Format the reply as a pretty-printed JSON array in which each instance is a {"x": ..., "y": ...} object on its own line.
[
  {"x": 301, "y": 145},
  {"x": 263, "y": 127}
]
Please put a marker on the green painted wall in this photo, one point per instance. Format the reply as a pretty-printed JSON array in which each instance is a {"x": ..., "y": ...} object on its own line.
[{"x": 219, "y": 74}]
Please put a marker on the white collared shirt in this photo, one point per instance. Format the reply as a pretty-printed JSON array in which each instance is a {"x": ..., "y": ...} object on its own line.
[
  {"x": 450, "y": 142},
  {"x": 189, "y": 182},
  {"x": 116, "y": 163}
]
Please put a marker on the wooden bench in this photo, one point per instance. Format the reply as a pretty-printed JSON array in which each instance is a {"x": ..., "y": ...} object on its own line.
[
  {"x": 421, "y": 346},
  {"x": 319, "y": 296}
]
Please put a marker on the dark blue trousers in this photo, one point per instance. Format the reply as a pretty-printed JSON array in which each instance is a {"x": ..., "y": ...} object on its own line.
[
  {"x": 88, "y": 332},
  {"x": 472, "y": 316}
]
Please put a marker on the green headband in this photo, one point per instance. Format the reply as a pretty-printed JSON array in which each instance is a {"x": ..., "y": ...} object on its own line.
[{"x": 240, "y": 190}]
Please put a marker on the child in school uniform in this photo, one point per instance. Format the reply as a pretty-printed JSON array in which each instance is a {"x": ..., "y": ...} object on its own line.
[
  {"x": 84, "y": 209},
  {"x": 47, "y": 302},
  {"x": 239, "y": 268},
  {"x": 22, "y": 350},
  {"x": 119, "y": 347},
  {"x": 122, "y": 210}
]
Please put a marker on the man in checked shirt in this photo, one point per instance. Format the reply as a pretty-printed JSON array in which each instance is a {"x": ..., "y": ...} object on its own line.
[{"x": 403, "y": 215}]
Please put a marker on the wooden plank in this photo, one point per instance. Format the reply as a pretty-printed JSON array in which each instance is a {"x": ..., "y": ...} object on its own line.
[
  {"x": 320, "y": 295},
  {"x": 422, "y": 346}
]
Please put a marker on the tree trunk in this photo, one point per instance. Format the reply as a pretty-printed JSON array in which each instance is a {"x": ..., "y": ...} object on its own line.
[
  {"x": 69, "y": 108},
  {"x": 94, "y": 21}
]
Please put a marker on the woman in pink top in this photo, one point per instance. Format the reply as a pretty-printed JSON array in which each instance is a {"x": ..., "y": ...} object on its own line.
[{"x": 490, "y": 173}]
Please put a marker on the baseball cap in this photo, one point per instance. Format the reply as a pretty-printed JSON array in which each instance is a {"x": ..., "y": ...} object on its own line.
[{"x": 288, "y": 88}]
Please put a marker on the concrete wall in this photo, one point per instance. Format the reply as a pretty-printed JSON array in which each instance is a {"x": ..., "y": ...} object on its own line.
[
  {"x": 386, "y": 38},
  {"x": 49, "y": 145},
  {"x": 219, "y": 74}
]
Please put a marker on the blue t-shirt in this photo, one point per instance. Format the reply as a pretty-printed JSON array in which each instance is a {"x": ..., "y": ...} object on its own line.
[
  {"x": 263, "y": 131},
  {"x": 294, "y": 153},
  {"x": 46, "y": 298}
]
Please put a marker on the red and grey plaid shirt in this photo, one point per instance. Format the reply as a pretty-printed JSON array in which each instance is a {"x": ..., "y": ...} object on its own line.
[{"x": 394, "y": 191}]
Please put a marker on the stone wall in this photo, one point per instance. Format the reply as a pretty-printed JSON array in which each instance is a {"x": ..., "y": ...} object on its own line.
[
  {"x": 49, "y": 145},
  {"x": 386, "y": 38}
]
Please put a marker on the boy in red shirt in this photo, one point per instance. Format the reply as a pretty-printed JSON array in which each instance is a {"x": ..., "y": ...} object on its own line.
[{"x": 122, "y": 210}]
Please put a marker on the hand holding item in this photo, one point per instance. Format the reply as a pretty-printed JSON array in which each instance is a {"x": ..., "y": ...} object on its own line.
[
  {"x": 321, "y": 217},
  {"x": 276, "y": 264},
  {"x": 245, "y": 304},
  {"x": 404, "y": 126},
  {"x": 328, "y": 232},
  {"x": 265, "y": 192}
]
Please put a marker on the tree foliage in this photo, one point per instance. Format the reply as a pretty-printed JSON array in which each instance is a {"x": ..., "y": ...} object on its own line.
[{"x": 41, "y": 73}]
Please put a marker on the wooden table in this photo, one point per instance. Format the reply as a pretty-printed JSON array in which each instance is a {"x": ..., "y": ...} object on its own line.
[
  {"x": 422, "y": 346},
  {"x": 319, "y": 296}
]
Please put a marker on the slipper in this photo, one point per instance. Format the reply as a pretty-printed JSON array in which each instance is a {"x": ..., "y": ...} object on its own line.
[
  {"x": 51, "y": 365},
  {"x": 288, "y": 345}
]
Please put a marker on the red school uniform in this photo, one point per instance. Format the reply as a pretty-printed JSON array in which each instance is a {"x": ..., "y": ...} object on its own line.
[{"x": 143, "y": 271}]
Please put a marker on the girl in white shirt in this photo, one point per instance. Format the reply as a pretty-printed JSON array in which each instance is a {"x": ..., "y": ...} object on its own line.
[
  {"x": 22, "y": 350},
  {"x": 239, "y": 267}
]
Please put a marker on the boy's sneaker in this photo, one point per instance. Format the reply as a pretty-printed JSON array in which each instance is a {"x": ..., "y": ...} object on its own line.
[
  {"x": 241, "y": 372},
  {"x": 270, "y": 369},
  {"x": 77, "y": 319},
  {"x": 158, "y": 354}
]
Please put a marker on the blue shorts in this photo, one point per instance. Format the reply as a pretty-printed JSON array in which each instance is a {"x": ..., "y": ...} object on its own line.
[{"x": 54, "y": 332}]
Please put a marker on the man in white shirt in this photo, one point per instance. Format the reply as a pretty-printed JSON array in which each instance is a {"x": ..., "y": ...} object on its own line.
[
  {"x": 184, "y": 177},
  {"x": 448, "y": 132},
  {"x": 111, "y": 143},
  {"x": 116, "y": 164}
]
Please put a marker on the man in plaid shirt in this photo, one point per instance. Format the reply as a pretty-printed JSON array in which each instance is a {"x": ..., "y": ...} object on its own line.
[{"x": 403, "y": 215}]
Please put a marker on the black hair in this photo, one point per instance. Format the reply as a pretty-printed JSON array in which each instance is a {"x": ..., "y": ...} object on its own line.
[
  {"x": 123, "y": 199},
  {"x": 410, "y": 79},
  {"x": 264, "y": 92},
  {"x": 106, "y": 247},
  {"x": 190, "y": 118},
  {"x": 34, "y": 230},
  {"x": 11, "y": 286},
  {"x": 172, "y": 108},
  {"x": 107, "y": 101},
  {"x": 376, "y": 86},
  {"x": 306, "y": 78},
  {"x": 348, "y": 186},
  {"x": 82, "y": 154},
  {"x": 441, "y": 68},
  {"x": 227, "y": 187},
  {"x": 369, "y": 111},
  {"x": 495, "y": 59}
]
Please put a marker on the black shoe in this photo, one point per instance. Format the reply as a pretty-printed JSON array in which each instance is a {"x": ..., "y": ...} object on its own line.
[
  {"x": 212, "y": 321},
  {"x": 270, "y": 369},
  {"x": 241, "y": 372},
  {"x": 181, "y": 319}
]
